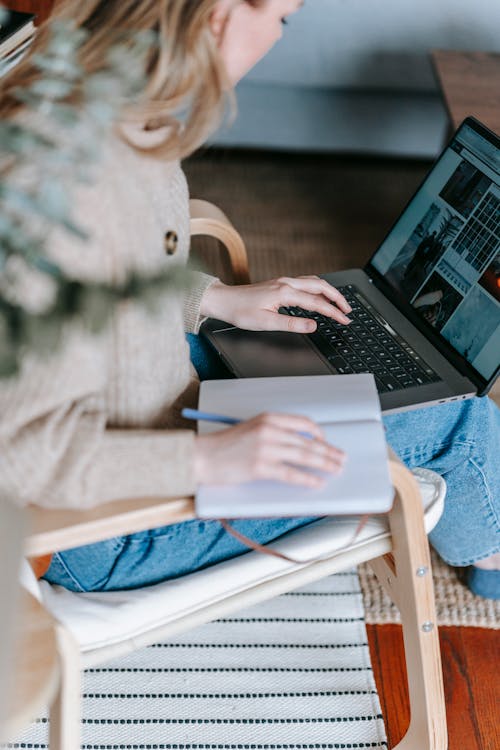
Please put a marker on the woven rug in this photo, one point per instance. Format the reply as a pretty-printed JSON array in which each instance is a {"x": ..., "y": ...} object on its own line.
[
  {"x": 455, "y": 604},
  {"x": 292, "y": 673},
  {"x": 311, "y": 213}
]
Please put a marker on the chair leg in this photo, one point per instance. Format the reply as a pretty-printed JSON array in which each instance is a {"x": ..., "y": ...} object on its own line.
[
  {"x": 407, "y": 577},
  {"x": 64, "y": 731}
]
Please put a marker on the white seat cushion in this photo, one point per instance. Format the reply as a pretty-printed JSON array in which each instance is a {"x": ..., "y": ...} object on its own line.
[{"x": 99, "y": 619}]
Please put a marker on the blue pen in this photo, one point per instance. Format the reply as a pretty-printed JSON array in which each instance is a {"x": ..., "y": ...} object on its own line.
[{"x": 205, "y": 416}]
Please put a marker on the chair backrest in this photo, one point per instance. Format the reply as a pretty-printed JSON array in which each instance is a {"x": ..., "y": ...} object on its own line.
[{"x": 12, "y": 530}]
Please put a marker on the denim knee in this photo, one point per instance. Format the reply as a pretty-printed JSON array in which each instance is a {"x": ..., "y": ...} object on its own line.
[
  {"x": 460, "y": 442},
  {"x": 205, "y": 359},
  {"x": 86, "y": 568}
]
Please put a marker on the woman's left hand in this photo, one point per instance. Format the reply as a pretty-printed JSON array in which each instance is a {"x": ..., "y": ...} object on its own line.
[{"x": 255, "y": 306}]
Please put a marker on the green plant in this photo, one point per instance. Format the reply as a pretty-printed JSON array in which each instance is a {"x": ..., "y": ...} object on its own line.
[{"x": 42, "y": 158}]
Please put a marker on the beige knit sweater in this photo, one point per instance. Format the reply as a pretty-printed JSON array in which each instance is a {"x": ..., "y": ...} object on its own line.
[{"x": 99, "y": 419}]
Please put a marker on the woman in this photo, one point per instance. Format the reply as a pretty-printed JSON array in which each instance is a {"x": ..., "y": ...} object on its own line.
[{"x": 100, "y": 420}]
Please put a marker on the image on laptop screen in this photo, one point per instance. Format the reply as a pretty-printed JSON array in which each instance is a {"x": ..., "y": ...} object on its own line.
[{"x": 443, "y": 255}]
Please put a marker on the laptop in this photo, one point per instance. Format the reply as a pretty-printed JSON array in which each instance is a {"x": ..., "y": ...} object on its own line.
[{"x": 426, "y": 307}]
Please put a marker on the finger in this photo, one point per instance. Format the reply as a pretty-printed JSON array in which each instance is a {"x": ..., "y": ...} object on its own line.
[
  {"x": 313, "y": 303},
  {"x": 320, "y": 286},
  {"x": 291, "y": 475},
  {"x": 314, "y": 454},
  {"x": 277, "y": 436},
  {"x": 317, "y": 303},
  {"x": 315, "y": 285},
  {"x": 269, "y": 320},
  {"x": 273, "y": 321},
  {"x": 291, "y": 422},
  {"x": 310, "y": 459}
]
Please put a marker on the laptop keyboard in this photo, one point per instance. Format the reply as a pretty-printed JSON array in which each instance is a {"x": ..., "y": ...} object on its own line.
[{"x": 367, "y": 345}]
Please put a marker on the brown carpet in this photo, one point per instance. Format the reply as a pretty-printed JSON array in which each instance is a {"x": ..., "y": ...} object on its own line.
[{"x": 303, "y": 214}]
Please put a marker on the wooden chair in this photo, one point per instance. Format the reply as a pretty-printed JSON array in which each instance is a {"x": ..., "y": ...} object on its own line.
[
  {"x": 29, "y": 654},
  {"x": 396, "y": 547},
  {"x": 11, "y": 545}
]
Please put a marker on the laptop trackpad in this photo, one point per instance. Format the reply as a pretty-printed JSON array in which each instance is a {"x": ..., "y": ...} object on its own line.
[{"x": 268, "y": 354}]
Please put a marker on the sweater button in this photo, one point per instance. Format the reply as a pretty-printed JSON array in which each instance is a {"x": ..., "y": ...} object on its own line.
[{"x": 170, "y": 241}]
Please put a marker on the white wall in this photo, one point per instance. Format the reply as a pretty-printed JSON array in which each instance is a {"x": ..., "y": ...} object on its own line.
[
  {"x": 355, "y": 75},
  {"x": 376, "y": 43}
]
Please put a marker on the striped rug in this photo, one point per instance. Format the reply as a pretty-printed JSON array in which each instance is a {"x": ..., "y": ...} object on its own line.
[{"x": 292, "y": 673}]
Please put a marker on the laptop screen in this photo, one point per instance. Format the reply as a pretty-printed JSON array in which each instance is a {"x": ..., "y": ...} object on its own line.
[{"x": 443, "y": 254}]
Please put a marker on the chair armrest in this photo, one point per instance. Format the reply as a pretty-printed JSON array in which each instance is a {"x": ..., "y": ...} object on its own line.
[
  {"x": 407, "y": 525},
  {"x": 207, "y": 219},
  {"x": 406, "y": 491},
  {"x": 55, "y": 530}
]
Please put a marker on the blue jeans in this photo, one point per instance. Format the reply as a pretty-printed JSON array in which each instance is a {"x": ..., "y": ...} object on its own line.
[{"x": 459, "y": 440}]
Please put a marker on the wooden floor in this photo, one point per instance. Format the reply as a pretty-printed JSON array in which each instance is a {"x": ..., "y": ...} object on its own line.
[
  {"x": 471, "y": 657},
  {"x": 308, "y": 214}
]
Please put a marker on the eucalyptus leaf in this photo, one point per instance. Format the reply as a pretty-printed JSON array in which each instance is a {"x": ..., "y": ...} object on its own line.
[
  {"x": 8, "y": 364},
  {"x": 57, "y": 65},
  {"x": 103, "y": 89},
  {"x": 51, "y": 88},
  {"x": 42, "y": 334},
  {"x": 46, "y": 266},
  {"x": 22, "y": 202},
  {"x": 66, "y": 37},
  {"x": 44, "y": 206},
  {"x": 7, "y": 225},
  {"x": 27, "y": 97},
  {"x": 17, "y": 140},
  {"x": 66, "y": 115},
  {"x": 97, "y": 306},
  {"x": 16, "y": 240},
  {"x": 55, "y": 199},
  {"x": 75, "y": 230}
]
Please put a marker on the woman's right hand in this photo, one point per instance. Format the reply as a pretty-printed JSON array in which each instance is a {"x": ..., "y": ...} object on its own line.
[{"x": 268, "y": 446}]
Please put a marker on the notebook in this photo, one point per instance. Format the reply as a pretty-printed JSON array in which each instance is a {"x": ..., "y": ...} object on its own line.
[{"x": 348, "y": 409}]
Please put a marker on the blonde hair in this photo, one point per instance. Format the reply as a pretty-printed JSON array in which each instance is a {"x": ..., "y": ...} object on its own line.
[{"x": 184, "y": 71}]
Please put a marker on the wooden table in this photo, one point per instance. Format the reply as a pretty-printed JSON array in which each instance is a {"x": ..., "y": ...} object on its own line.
[
  {"x": 36, "y": 672},
  {"x": 470, "y": 82}
]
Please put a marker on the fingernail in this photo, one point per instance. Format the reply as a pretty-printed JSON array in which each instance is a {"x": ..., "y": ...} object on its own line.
[
  {"x": 346, "y": 320},
  {"x": 308, "y": 435}
]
